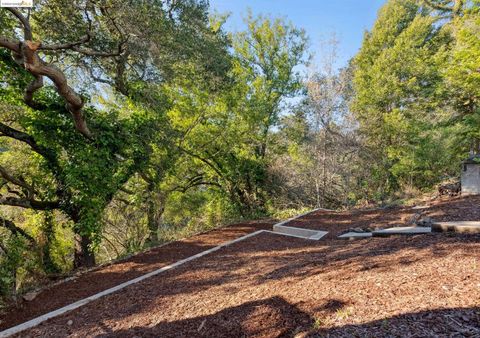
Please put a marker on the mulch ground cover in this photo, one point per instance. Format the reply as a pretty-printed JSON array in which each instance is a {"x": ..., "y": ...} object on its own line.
[
  {"x": 90, "y": 283},
  {"x": 441, "y": 210},
  {"x": 271, "y": 285}
]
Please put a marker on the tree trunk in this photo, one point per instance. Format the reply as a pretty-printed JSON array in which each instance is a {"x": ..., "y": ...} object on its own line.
[
  {"x": 49, "y": 233},
  {"x": 84, "y": 257},
  {"x": 155, "y": 209}
]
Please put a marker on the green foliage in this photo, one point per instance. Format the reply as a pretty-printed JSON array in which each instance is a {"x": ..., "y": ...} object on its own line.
[
  {"x": 17, "y": 262},
  {"x": 267, "y": 57},
  {"x": 91, "y": 170},
  {"x": 224, "y": 137},
  {"x": 400, "y": 95},
  {"x": 193, "y": 128},
  {"x": 156, "y": 43}
]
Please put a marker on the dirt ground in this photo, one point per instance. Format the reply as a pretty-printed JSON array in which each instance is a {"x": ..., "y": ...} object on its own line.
[{"x": 276, "y": 286}]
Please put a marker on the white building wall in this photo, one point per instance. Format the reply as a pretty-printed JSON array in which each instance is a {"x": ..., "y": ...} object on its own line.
[{"x": 470, "y": 179}]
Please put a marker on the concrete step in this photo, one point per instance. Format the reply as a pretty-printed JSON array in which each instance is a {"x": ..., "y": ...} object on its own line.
[{"x": 299, "y": 232}]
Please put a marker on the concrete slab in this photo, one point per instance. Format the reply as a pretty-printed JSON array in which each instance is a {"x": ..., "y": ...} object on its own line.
[
  {"x": 299, "y": 232},
  {"x": 355, "y": 235},
  {"x": 471, "y": 227},
  {"x": 420, "y": 207},
  {"x": 402, "y": 231},
  {"x": 319, "y": 235}
]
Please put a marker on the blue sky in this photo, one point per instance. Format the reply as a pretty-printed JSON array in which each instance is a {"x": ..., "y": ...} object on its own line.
[{"x": 347, "y": 18}]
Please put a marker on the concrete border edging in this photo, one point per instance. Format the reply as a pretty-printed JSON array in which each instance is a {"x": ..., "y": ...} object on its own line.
[
  {"x": 406, "y": 231},
  {"x": 355, "y": 235},
  {"x": 40, "y": 319},
  {"x": 281, "y": 228},
  {"x": 36, "y": 321}
]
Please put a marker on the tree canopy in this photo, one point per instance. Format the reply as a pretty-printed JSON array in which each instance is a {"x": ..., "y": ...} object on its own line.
[{"x": 125, "y": 124}]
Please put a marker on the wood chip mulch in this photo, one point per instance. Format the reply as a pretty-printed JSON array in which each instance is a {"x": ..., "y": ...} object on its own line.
[
  {"x": 440, "y": 210},
  {"x": 276, "y": 286},
  {"x": 90, "y": 283}
]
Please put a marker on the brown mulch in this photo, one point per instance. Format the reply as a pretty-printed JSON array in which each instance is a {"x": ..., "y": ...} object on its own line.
[
  {"x": 441, "y": 210},
  {"x": 273, "y": 286},
  {"x": 106, "y": 277}
]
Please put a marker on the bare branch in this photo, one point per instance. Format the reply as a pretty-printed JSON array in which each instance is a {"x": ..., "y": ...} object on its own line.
[
  {"x": 91, "y": 52},
  {"x": 443, "y": 6},
  {"x": 13, "y": 45},
  {"x": 126, "y": 190},
  {"x": 438, "y": 6},
  {"x": 68, "y": 45},
  {"x": 17, "y": 181},
  {"x": 15, "y": 229},
  {"x": 207, "y": 162},
  {"x": 185, "y": 188},
  {"x": 35, "y": 85},
  {"x": 26, "y": 24},
  {"x": 27, "y": 56},
  {"x": 29, "y": 203},
  {"x": 25, "y": 138}
]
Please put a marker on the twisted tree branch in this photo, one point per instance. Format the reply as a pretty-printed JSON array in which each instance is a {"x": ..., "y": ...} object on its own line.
[
  {"x": 38, "y": 67},
  {"x": 35, "y": 85}
]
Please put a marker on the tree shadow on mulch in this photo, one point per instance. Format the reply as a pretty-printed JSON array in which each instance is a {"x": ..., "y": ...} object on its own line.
[
  {"x": 295, "y": 257},
  {"x": 456, "y": 322},
  {"x": 383, "y": 254},
  {"x": 101, "y": 278},
  {"x": 275, "y": 317},
  {"x": 378, "y": 254},
  {"x": 271, "y": 317}
]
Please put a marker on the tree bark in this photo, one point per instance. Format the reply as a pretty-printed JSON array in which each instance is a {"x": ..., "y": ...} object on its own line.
[
  {"x": 83, "y": 256},
  {"x": 155, "y": 209},
  {"x": 49, "y": 233}
]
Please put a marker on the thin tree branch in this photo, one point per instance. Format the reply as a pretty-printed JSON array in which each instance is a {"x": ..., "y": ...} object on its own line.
[
  {"x": 455, "y": 8},
  {"x": 126, "y": 190},
  {"x": 63, "y": 46},
  {"x": 35, "y": 85},
  {"x": 18, "y": 182},
  {"x": 438, "y": 6},
  {"x": 91, "y": 52},
  {"x": 29, "y": 203},
  {"x": 207, "y": 162},
  {"x": 15, "y": 229},
  {"x": 13, "y": 45},
  {"x": 24, "y": 21},
  {"x": 25, "y": 138}
]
